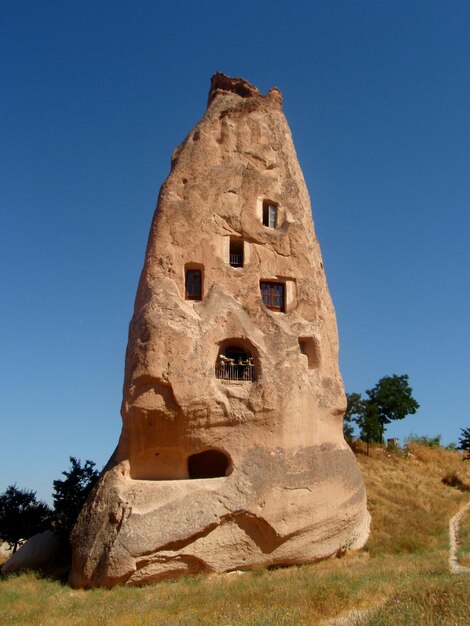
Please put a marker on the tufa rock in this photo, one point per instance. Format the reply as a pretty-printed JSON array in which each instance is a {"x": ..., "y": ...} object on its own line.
[
  {"x": 45, "y": 552},
  {"x": 5, "y": 552},
  {"x": 232, "y": 452}
]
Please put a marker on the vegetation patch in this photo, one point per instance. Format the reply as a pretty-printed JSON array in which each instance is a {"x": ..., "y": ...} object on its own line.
[
  {"x": 463, "y": 552},
  {"x": 452, "y": 479},
  {"x": 400, "y": 577}
]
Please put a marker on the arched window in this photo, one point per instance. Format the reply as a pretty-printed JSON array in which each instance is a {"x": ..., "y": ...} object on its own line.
[{"x": 235, "y": 364}]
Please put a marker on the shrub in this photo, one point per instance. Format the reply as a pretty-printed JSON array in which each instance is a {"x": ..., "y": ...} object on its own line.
[
  {"x": 70, "y": 494},
  {"x": 21, "y": 516},
  {"x": 452, "y": 479},
  {"x": 423, "y": 440}
]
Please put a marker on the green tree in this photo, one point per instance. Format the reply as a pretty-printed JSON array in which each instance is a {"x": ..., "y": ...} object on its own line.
[
  {"x": 353, "y": 409},
  {"x": 365, "y": 414},
  {"x": 392, "y": 396},
  {"x": 390, "y": 399},
  {"x": 464, "y": 442},
  {"x": 369, "y": 425},
  {"x": 21, "y": 515},
  {"x": 70, "y": 494}
]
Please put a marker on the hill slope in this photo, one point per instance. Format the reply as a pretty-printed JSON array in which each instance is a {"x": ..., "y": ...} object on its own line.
[{"x": 400, "y": 577}]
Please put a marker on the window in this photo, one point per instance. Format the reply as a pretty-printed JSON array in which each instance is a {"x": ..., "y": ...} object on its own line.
[
  {"x": 193, "y": 285},
  {"x": 309, "y": 347},
  {"x": 269, "y": 214},
  {"x": 273, "y": 295},
  {"x": 235, "y": 364},
  {"x": 236, "y": 252}
]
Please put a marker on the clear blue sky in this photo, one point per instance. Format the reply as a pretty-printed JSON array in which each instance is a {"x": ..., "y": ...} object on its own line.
[{"x": 94, "y": 96}]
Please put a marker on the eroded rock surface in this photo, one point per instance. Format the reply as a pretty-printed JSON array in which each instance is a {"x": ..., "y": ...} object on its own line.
[{"x": 231, "y": 453}]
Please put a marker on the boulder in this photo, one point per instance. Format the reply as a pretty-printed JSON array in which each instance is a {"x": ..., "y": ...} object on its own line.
[
  {"x": 232, "y": 452},
  {"x": 45, "y": 552},
  {"x": 5, "y": 552}
]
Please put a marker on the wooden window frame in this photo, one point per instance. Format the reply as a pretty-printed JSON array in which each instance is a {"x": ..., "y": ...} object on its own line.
[
  {"x": 270, "y": 214},
  {"x": 189, "y": 294},
  {"x": 269, "y": 302}
]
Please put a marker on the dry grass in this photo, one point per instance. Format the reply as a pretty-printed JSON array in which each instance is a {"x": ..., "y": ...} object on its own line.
[
  {"x": 464, "y": 540},
  {"x": 401, "y": 575},
  {"x": 409, "y": 504}
]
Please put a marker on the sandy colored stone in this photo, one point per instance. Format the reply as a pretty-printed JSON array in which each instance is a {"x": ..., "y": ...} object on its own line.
[
  {"x": 45, "y": 552},
  {"x": 5, "y": 552},
  {"x": 291, "y": 491}
]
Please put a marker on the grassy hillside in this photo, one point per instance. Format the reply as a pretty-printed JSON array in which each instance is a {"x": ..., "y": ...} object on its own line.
[{"x": 400, "y": 577}]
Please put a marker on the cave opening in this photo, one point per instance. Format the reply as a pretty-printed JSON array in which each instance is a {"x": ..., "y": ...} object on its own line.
[{"x": 208, "y": 464}]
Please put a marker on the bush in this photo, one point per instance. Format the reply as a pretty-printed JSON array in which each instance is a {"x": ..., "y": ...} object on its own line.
[
  {"x": 70, "y": 494},
  {"x": 423, "y": 440},
  {"x": 21, "y": 516},
  {"x": 452, "y": 479}
]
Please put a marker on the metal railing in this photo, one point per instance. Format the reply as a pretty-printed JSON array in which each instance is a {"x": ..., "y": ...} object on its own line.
[
  {"x": 236, "y": 260},
  {"x": 234, "y": 372}
]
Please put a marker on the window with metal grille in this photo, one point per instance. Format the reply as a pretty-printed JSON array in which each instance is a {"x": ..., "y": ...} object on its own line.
[
  {"x": 236, "y": 252},
  {"x": 273, "y": 295},
  {"x": 269, "y": 214},
  {"x": 235, "y": 364},
  {"x": 193, "y": 285}
]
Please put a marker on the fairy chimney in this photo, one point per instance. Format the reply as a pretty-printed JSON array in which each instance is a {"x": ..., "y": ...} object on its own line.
[{"x": 232, "y": 452}]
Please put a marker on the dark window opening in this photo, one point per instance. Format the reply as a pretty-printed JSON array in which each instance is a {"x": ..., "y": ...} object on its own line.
[
  {"x": 273, "y": 295},
  {"x": 236, "y": 252},
  {"x": 269, "y": 214},
  {"x": 193, "y": 285},
  {"x": 235, "y": 364},
  {"x": 208, "y": 464}
]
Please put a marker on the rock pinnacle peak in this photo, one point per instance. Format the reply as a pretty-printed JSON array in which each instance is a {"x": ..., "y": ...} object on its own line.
[{"x": 231, "y": 454}]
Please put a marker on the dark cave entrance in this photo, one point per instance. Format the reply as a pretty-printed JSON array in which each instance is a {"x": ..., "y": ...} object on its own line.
[{"x": 208, "y": 464}]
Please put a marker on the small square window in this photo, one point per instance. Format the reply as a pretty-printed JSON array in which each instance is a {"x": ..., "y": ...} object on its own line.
[
  {"x": 272, "y": 295},
  {"x": 193, "y": 285},
  {"x": 269, "y": 214}
]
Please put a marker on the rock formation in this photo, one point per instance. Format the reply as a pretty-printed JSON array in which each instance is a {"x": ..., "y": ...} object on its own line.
[
  {"x": 44, "y": 552},
  {"x": 231, "y": 453}
]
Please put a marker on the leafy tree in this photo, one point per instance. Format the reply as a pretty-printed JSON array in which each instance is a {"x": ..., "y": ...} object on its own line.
[
  {"x": 393, "y": 398},
  {"x": 365, "y": 415},
  {"x": 464, "y": 442},
  {"x": 369, "y": 425},
  {"x": 353, "y": 409},
  {"x": 21, "y": 515},
  {"x": 70, "y": 494},
  {"x": 390, "y": 399}
]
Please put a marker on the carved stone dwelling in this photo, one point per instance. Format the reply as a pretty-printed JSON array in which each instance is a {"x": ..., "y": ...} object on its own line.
[{"x": 231, "y": 453}]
